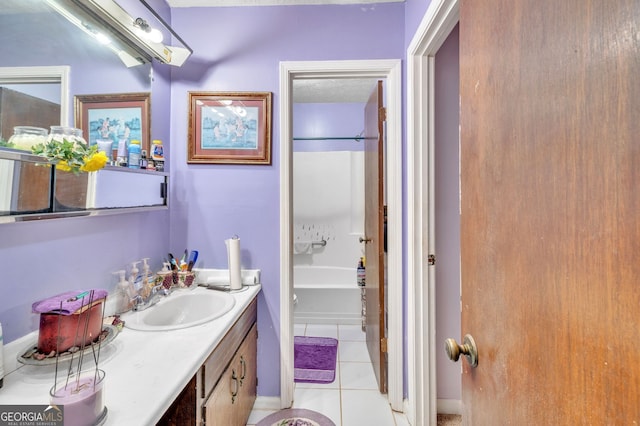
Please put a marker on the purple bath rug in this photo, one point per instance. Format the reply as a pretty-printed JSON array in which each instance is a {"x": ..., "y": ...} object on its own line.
[
  {"x": 296, "y": 417},
  {"x": 314, "y": 359}
]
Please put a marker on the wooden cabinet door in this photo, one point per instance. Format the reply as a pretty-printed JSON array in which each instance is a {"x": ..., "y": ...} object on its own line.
[
  {"x": 223, "y": 405},
  {"x": 232, "y": 399},
  {"x": 247, "y": 359}
]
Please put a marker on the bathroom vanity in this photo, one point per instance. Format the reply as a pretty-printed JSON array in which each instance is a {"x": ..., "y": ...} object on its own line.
[
  {"x": 206, "y": 372},
  {"x": 224, "y": 389}
]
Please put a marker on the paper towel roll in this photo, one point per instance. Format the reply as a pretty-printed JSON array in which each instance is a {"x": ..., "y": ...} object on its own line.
[{"x": 233, "y": 255}]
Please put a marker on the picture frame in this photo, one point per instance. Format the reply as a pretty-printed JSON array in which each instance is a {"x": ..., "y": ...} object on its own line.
[
  {"x": 229, "y": 128},
  {"x": 114, "y": 116}
]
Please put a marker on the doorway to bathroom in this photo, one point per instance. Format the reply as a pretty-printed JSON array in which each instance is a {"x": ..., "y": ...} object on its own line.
[
  {"x": 338, "y": 209},
  {"x": 308, "y": 236}
]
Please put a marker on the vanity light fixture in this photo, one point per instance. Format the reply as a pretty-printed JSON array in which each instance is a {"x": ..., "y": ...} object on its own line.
[
  {"x": 136, "y": 41},
  {"x": 127, "y": 58}
]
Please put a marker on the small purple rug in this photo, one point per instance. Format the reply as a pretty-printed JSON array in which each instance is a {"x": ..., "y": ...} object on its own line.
[
  {"x": 314, "y": 359},
  {"x": 296, "y": 417}
]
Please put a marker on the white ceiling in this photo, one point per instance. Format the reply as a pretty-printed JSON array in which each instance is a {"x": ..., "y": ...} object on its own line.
[
  {"x": 220, "y": 3},
  {"x": 345, "y": 90}
]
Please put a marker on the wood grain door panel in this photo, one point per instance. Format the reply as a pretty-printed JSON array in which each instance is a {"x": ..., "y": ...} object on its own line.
[
  {"x": 374, "y": 221},
  {"x": 550, "y": 202}
]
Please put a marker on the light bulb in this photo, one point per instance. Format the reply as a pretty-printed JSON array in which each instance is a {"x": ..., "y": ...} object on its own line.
[{"x": 155, "y": 35}]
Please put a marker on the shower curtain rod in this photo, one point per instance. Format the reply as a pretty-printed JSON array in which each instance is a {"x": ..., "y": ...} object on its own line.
[{"x": 356, "y": 138}]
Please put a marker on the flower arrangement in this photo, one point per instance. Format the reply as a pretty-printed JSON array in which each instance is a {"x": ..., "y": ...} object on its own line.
[{"x": 71, "y": 156}]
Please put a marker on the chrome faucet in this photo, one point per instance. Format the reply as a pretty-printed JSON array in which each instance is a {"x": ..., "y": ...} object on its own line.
[{"x": 155, "y": 295}]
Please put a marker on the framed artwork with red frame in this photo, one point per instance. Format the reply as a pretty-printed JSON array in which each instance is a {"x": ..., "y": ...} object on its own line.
[
  {"x": 229, "y": 128},
  {"x": 114, "y": 116}
]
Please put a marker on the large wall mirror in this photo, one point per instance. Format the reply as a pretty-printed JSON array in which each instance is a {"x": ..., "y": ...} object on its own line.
[{"x": 47, "y": 60}]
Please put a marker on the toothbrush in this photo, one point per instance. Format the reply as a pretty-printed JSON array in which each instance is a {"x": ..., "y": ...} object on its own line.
[
  {"x": 183, "y": 263},
  {"x": 173, "y": 262},
  {"x": 192, "y": 259}
]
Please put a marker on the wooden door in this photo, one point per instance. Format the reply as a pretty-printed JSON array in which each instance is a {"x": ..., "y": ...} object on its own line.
[
  {"x": 550, "y": 211},
  {"x": 374, "y": 234}
]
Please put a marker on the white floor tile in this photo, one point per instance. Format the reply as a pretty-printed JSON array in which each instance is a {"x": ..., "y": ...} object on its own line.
[
  {"x": 353, "y": 398},
  {"x": 325, "y": 401},
  {"x": 357, "y": 375},
  {"x": 353, "y": 351},
  {"x": 351, "y": 332},
  {"x": 365, "y": 407},
  {"x": 322, "y": 330}
]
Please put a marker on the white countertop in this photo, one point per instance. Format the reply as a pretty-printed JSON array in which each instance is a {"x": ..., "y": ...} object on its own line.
[{"x": 145, "y": 370}]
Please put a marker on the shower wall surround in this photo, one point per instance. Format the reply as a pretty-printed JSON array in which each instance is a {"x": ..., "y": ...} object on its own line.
[{"x": 328, "y": 184}]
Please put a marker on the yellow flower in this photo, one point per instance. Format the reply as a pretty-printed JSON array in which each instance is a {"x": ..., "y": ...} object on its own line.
[
  {"x": 62, "y": 165},
  {"x": 94, "y": 162}
]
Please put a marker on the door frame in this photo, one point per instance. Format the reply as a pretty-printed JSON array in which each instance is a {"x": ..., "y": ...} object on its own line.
[
  {"x": 389, "y": 69},
  {"x": 439, "y": 19}
]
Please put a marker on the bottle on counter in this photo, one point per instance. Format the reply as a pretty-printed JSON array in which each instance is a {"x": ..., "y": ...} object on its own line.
[
  {"x": 361, "y": 273},
  {"x": 157, "y": 152},
  {"x": 124, "y": 294},
  {"x": 143, "y": 159},
  {"x": 122, "y": 152},
  {"x": 134, "y": 154},
  {"x": 157, "y": 155}
]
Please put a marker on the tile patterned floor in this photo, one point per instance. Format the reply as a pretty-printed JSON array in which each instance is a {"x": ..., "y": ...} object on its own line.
[{"x": 353, "y": 398}]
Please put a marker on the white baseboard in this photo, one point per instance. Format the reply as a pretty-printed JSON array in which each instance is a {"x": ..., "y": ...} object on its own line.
[
  {"x": 267, "y": 403},
  {"x": 449, "y": 406}
]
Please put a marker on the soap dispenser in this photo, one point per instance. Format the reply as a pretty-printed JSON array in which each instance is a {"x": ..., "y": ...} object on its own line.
[
  {"x": 124, "y": 293},
  {"x": 135, "y": 279},
  {"x": 147, "y": 276}
]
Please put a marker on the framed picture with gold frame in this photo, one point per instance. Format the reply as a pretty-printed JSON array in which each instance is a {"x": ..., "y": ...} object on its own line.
[
  {"x": 229, "y": 128},
  {"x": 114, "y": 116}
]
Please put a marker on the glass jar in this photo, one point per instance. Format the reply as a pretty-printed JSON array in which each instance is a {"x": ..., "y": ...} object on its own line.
[
  {"x": 78, "y": 135},
  {"x": 24, "y": 137},
  {"x": 60, "y": 133}
]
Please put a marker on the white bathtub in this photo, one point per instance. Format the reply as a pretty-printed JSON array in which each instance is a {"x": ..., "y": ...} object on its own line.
[{"x": 326, "y": 295}]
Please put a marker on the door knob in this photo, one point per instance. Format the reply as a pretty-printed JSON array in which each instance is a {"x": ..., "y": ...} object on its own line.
[
  {"x": 364, "y": 240},
  {"x": 468, "y": 349}
]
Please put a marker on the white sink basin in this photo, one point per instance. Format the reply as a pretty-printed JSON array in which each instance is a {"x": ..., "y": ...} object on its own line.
[{"x": 181, "y": 310}]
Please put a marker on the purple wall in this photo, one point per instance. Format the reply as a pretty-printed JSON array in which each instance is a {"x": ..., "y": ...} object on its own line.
[
  {"x": 447, "y": 196},
  {"x": 44, "y": 258},
  {"x": 311, "y": 120},
  {"x": 414, "y": 12},
  {"x": 239, "y": 49},
  {"x": 47, "y": 257},
  {"x": 235, "y": 49}
]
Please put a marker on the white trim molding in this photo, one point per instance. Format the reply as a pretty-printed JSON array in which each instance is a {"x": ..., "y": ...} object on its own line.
[
  {"x": 383, "y": 69},
  {"x": 437, "y": 23},
  {"x": 48, "y": 74}
]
